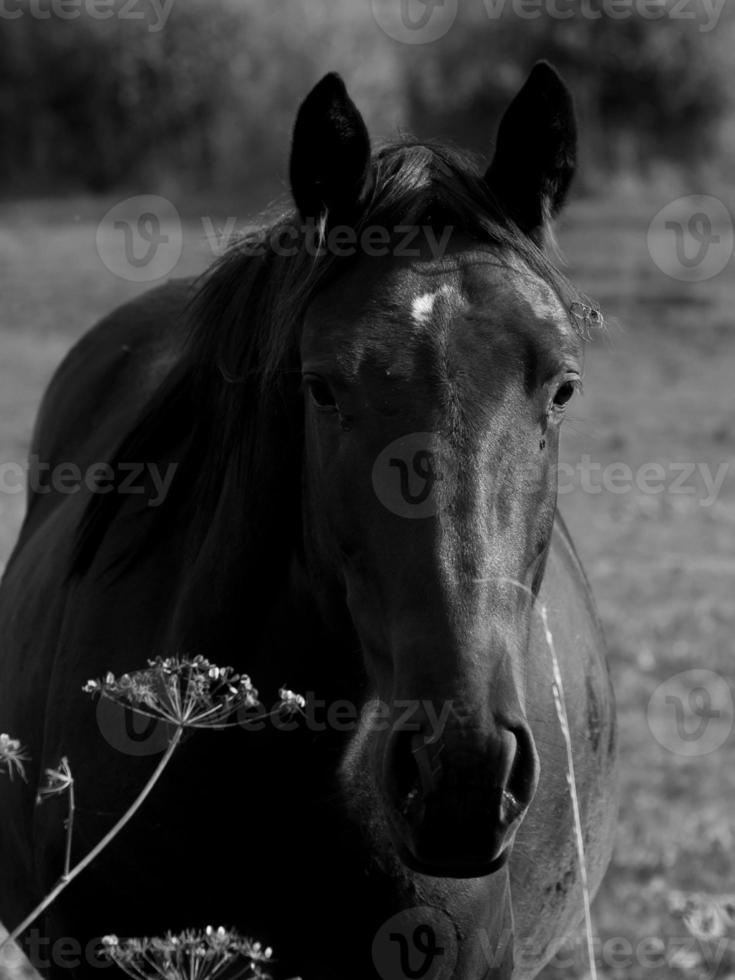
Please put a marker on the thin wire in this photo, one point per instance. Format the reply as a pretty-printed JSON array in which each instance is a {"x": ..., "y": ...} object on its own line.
[{"x": 561, "y": 710}]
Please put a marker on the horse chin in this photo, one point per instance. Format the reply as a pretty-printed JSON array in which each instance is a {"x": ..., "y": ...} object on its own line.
[{"x": 449, "y": 868}]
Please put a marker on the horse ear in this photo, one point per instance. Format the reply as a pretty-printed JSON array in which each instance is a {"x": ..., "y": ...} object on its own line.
[
  {"x": 330, "y": 154},
  {"x": 536, "y": 151}
]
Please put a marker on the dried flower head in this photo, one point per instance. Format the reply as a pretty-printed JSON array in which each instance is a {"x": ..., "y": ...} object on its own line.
[
  {"x": 186, "y": 692},
  {"x": 58, "y": 781},
  {"x": 291, "y": 703},
  {"x": 588, "y": 318},
  {"x": 12, "y": 757},
  {"x": 211, "y": 954},
  {"x": 706, "y": 917}
]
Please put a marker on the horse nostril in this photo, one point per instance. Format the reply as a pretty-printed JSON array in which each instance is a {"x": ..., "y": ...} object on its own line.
[
  {"x": 402, "y": 772},
  {"x": 522, "y": 781},
  {"x": 413, "y": 770},
  {"x": 418, "y": 769},
  {"x": 454, "y": 801}
]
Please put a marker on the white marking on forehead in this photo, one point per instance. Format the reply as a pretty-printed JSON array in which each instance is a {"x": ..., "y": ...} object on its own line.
[
  {"x": 423, "y": 306},
  {"x": 545, "y": 303}
]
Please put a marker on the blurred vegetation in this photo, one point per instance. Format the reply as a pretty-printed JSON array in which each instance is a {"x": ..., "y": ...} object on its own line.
[
  {"x": 647, "y": 91},
  {"x": 206, "y": 99}
]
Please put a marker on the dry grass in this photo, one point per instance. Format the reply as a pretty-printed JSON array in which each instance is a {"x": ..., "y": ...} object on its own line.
[
  {"x": 663, "y": 571},
  {"x": 662, "y": 567}
]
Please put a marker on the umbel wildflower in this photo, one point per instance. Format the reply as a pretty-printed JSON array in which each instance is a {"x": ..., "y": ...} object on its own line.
[
  {"x": 57, "y": 781},
  {"x": 211, "y": 954},
  {"x": 185, "y": 692},
  {"x": 12, "y": 757}
]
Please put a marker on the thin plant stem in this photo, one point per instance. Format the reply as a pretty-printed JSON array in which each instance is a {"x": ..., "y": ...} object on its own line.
[
  {"x": 561, "y": 711},
  {"x": 69, "y": 831},
  {"x": 68, "y": 877}
]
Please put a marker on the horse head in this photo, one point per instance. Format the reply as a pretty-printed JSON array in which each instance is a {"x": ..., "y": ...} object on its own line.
[{"x": 436, "y": 372}]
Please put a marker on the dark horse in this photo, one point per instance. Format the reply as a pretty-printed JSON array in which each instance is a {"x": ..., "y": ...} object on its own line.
[{"x": 363, "y": 406}]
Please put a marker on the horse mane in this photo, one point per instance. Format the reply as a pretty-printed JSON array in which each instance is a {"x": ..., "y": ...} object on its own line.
[{"x": 229, "y": 413}]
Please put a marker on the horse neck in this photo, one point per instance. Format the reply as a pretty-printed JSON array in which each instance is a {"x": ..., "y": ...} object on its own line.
[{"x": 247, "y": 599}]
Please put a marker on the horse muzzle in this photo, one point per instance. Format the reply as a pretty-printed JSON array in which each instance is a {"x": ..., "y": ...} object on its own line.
[{"x": 454, "y": 802}]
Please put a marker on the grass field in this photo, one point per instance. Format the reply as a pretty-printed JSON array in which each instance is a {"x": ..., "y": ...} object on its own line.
[{"x": 659, "y": 389}]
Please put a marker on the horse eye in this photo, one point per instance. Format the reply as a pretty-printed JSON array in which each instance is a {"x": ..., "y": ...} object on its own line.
[
  {"x": 320, "y": 392},
  {"x": 564, "y": 394}
]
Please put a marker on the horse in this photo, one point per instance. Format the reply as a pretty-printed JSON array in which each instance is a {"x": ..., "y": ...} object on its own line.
[{"x": 361, "y": 406}]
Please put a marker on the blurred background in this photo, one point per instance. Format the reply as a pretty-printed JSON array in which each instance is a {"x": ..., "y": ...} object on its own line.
[
  {"x": 199, "y": 95},
  {"x": 193, "y": 101}
]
